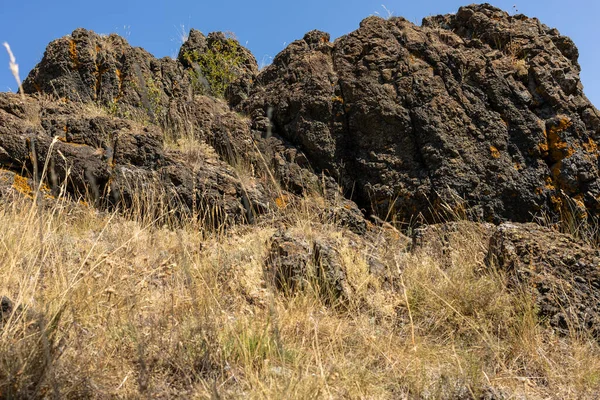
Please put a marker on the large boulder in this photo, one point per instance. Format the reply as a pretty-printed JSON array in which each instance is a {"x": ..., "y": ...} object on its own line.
[{"x": 477, "y": 112}]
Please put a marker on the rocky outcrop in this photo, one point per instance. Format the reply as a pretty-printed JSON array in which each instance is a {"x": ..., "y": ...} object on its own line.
[
  {"x": 219, "y": 64},
  {"x": 562, "y": 273},
  {"x": 115, "y": 161},
  {"x": 140, "y": 103},
  {"x": 477, "y": 111},
  {"x": 477, "y": 114}
]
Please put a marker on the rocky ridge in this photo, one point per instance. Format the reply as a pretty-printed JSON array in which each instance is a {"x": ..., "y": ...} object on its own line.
[{"x": 478, "y": 114}]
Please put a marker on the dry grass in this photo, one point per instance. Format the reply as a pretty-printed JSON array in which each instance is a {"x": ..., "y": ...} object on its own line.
[{"x": 131, "y": 309}]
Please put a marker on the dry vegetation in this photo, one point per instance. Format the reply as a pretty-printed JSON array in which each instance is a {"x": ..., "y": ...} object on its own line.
[{"x": 127, "y": 306}]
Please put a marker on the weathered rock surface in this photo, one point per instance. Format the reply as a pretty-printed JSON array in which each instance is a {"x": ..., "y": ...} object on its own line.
[
  {"x": 156, "y": 101},
  {"x": 479, "y": 113},
  {"x": 562, "y": 273},
  {"x": 241, "y": 68},
  {"x": 342, "y": 267},
  {"x": 295, "y": 262},
  {"x": 116, "y": 161},
  {"x": 478, "y": 110}
]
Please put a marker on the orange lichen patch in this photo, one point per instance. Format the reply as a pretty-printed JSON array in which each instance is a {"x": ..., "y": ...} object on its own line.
[
  {"x": 21, "y": 185},
  {"x": 581, "y": 210},
  {"x": 324, "y": 39},
  {"x": 65, "y": 129},
  {"x": 549, "y": 183},
  {"x": 282, "y": 201},
  {"x": 579, "y": 200},
  {"x": 563, "y": 124},
  {"x": 539, "y": 191},
  {"x": 518, "y": 166},
  {"x": 591, "y": 146},
  {"x": 62, "y": 138},
  {"x": 97, "y": 48},
  {"x": 494, "y": 151},
  {"x": 557, "y": 146},
  {"x": 556, "y": 201},
  {"x": 73, "y": 53},
  {"x": 337, "y": 99},
  {"x": 543, "y": 148}
]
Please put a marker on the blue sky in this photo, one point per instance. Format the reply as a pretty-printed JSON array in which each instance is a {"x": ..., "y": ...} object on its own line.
[{"x": 264, "y": 26}]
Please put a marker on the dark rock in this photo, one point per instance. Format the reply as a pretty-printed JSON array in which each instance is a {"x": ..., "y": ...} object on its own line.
[
  {"x": 321, "y": 260},
  {"x": 237, "y": 67},
  {"x": 563, "y": 273},
  {"x": 479, "y": 111},
  {"x": 293, "y": 261},
  {"x": 118, "y": 80},
  {"x": 6, "y": 309},
  {"x": 119, "y": 162},
  {"x": 296, "y": 263},
  {"x": 86, "y": 67}
]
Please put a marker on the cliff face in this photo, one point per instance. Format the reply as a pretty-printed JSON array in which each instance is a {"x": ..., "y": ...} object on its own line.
[{"x": 477, "y": 110}]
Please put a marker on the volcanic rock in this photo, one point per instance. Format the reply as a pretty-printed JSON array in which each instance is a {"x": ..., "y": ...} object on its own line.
[
  {"x": 477, "y": 111},
  {"x": 118, "y": 162},
  {"x": 563, "y": 273}
]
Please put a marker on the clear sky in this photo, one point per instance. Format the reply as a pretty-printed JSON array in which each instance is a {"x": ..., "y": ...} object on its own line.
[{"x": 264, "y": 26}]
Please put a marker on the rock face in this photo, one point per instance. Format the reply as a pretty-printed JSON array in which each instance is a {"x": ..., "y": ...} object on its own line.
[
  {"x": 478, "y": 114},
  {"x": 563, "y": 273},
  {"x": 477, "y": 111},
  {"x": 231, "y": 64},
  {"x": 137, "y": 104},
  {"x": 115, "y": 161}
]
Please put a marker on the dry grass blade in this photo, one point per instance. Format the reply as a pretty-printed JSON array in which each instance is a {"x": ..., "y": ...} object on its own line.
[{"x": 14, "y": 68}]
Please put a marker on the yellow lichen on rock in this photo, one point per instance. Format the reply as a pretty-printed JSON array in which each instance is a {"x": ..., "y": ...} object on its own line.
[
  {"x": 73, "y": 53},
  {"x": 21, "y": 185},
  {"x": 494, "y": 151}
]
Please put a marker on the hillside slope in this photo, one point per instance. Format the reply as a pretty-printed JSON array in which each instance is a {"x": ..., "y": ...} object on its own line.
[{"x": 406, "y": 212}]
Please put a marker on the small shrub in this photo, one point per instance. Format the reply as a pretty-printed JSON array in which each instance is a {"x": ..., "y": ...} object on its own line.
[{"x": 216, "y": 68}]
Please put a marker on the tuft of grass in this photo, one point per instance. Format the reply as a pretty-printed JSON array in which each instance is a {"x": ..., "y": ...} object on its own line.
[{"x": 14, "y": 68}]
